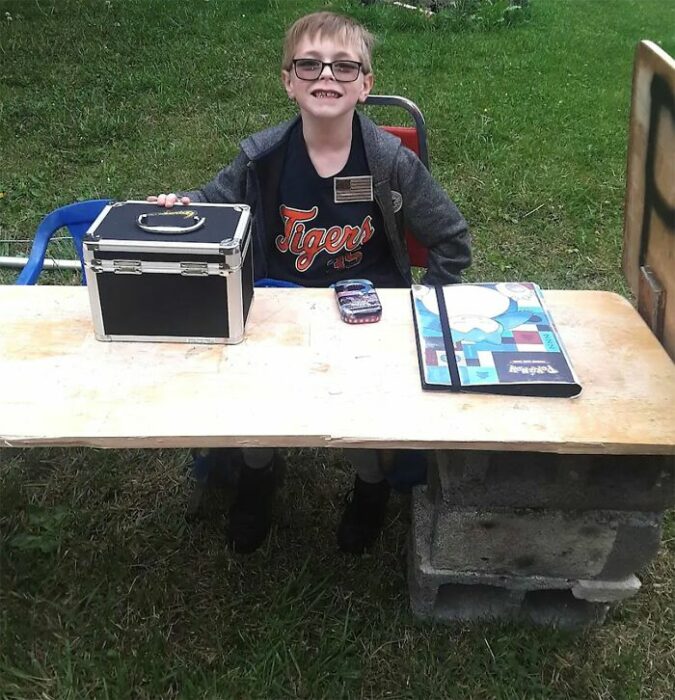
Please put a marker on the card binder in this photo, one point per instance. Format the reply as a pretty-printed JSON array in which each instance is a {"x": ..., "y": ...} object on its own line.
[{"x": 497, "y": 338}]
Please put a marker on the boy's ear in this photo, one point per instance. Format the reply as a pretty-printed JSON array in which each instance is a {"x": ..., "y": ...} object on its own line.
[
  {"x": 286, "y": 80},
  {"x": 368, "y": 82}
]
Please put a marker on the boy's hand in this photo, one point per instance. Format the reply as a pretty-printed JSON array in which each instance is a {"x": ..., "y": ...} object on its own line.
[{"x": 168, "y": 200}]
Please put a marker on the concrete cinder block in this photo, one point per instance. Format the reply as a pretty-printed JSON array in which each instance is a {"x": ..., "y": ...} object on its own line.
[
  {"x": 559, "y": 481},
  {"x": 550, "y": 608},
  {"x": 637, "y": 543},
  {"x": 445, "y": 595},
  {"x": 606, "y": 591},
  {"x": 457, "y": 602},
  {"x": 451, "y": 596},
  {"x": 562, "y": 610},
  {"x": 429, "y": 576},
  {"x": 551, "y": 543}
]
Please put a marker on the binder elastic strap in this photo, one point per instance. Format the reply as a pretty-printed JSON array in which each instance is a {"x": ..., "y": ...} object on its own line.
[{"x": 447, "y": 340}]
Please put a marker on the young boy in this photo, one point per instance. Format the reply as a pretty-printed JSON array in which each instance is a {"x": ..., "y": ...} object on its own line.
[{"x": 308, "y": 232}]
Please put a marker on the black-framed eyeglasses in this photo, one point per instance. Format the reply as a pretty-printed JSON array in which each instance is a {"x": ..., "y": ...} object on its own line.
[{"x": 312, "y": 68}]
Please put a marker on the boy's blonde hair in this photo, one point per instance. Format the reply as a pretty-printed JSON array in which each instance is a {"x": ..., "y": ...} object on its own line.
[{"x": 332, "y": 26}]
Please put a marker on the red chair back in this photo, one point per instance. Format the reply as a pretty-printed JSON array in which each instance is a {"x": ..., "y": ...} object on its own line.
[
  {"x": 418, "y": 254},
  {"x": 414, "y": 138}
]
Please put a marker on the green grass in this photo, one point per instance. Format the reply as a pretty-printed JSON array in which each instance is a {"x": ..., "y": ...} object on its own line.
[
  {"x": 527, "y": 125},
  {"x": 105, "y": 591},
  {"x": 117, "y": 597}
]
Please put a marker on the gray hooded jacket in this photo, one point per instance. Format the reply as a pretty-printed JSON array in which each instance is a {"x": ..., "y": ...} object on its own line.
[{"x": 423, "y": 207}]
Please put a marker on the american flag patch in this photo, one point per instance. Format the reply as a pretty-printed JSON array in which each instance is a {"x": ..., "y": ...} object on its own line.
[{"x": 353, "y": 189}]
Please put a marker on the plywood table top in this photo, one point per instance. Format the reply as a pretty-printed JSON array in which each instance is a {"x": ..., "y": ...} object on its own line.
[{"x": 304, "y": 378}]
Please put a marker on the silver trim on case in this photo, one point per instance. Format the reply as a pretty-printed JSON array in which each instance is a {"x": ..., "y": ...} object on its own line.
[
  {"x": 244, "y": 221},
  {"x": 94, "y": 299},
  {"x": 97, "y": 221},
  {"x": 139, "y": 267},
  {"x": 235, "y": 304},
  {"x": 153, "y": 246},
  {"x": 235, "y": 261},
  {"x": 172, "y": 339}
]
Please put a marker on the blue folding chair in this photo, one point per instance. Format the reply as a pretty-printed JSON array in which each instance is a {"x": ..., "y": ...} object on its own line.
[{"x": 76, "y": 218}]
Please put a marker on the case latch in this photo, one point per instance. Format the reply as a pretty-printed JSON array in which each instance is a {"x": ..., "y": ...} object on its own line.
[
  {"x": 127, "y": 267},
  {"x": 194, "y": 268}
]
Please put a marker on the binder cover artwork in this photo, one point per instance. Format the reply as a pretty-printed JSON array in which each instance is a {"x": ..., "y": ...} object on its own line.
[{"x": 496, "y": 338}]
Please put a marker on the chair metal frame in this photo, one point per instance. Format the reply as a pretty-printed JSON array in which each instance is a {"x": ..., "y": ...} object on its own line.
[{"x": 414, "y": 111}]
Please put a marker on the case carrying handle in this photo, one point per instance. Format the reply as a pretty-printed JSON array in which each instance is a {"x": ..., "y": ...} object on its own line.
[{"x": 198, "y": 223}]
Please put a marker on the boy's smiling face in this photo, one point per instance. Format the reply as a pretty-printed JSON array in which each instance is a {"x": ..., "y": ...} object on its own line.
[{"x": 325, "y": 97}]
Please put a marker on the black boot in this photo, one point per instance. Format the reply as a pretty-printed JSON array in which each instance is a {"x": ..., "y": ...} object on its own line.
[
  {"x": 251, "y": 512},
  {"x": 363, "y": 516}
]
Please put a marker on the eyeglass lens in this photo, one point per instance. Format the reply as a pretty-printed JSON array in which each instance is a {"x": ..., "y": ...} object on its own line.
[{"x": 311, "y": 69}]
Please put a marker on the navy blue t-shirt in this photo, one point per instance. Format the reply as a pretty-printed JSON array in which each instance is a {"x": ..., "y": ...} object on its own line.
[{"x": 318, "y": 242}]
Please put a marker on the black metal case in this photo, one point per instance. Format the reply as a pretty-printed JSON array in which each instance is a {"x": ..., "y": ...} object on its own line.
[{"x": 183, "y": 274}]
